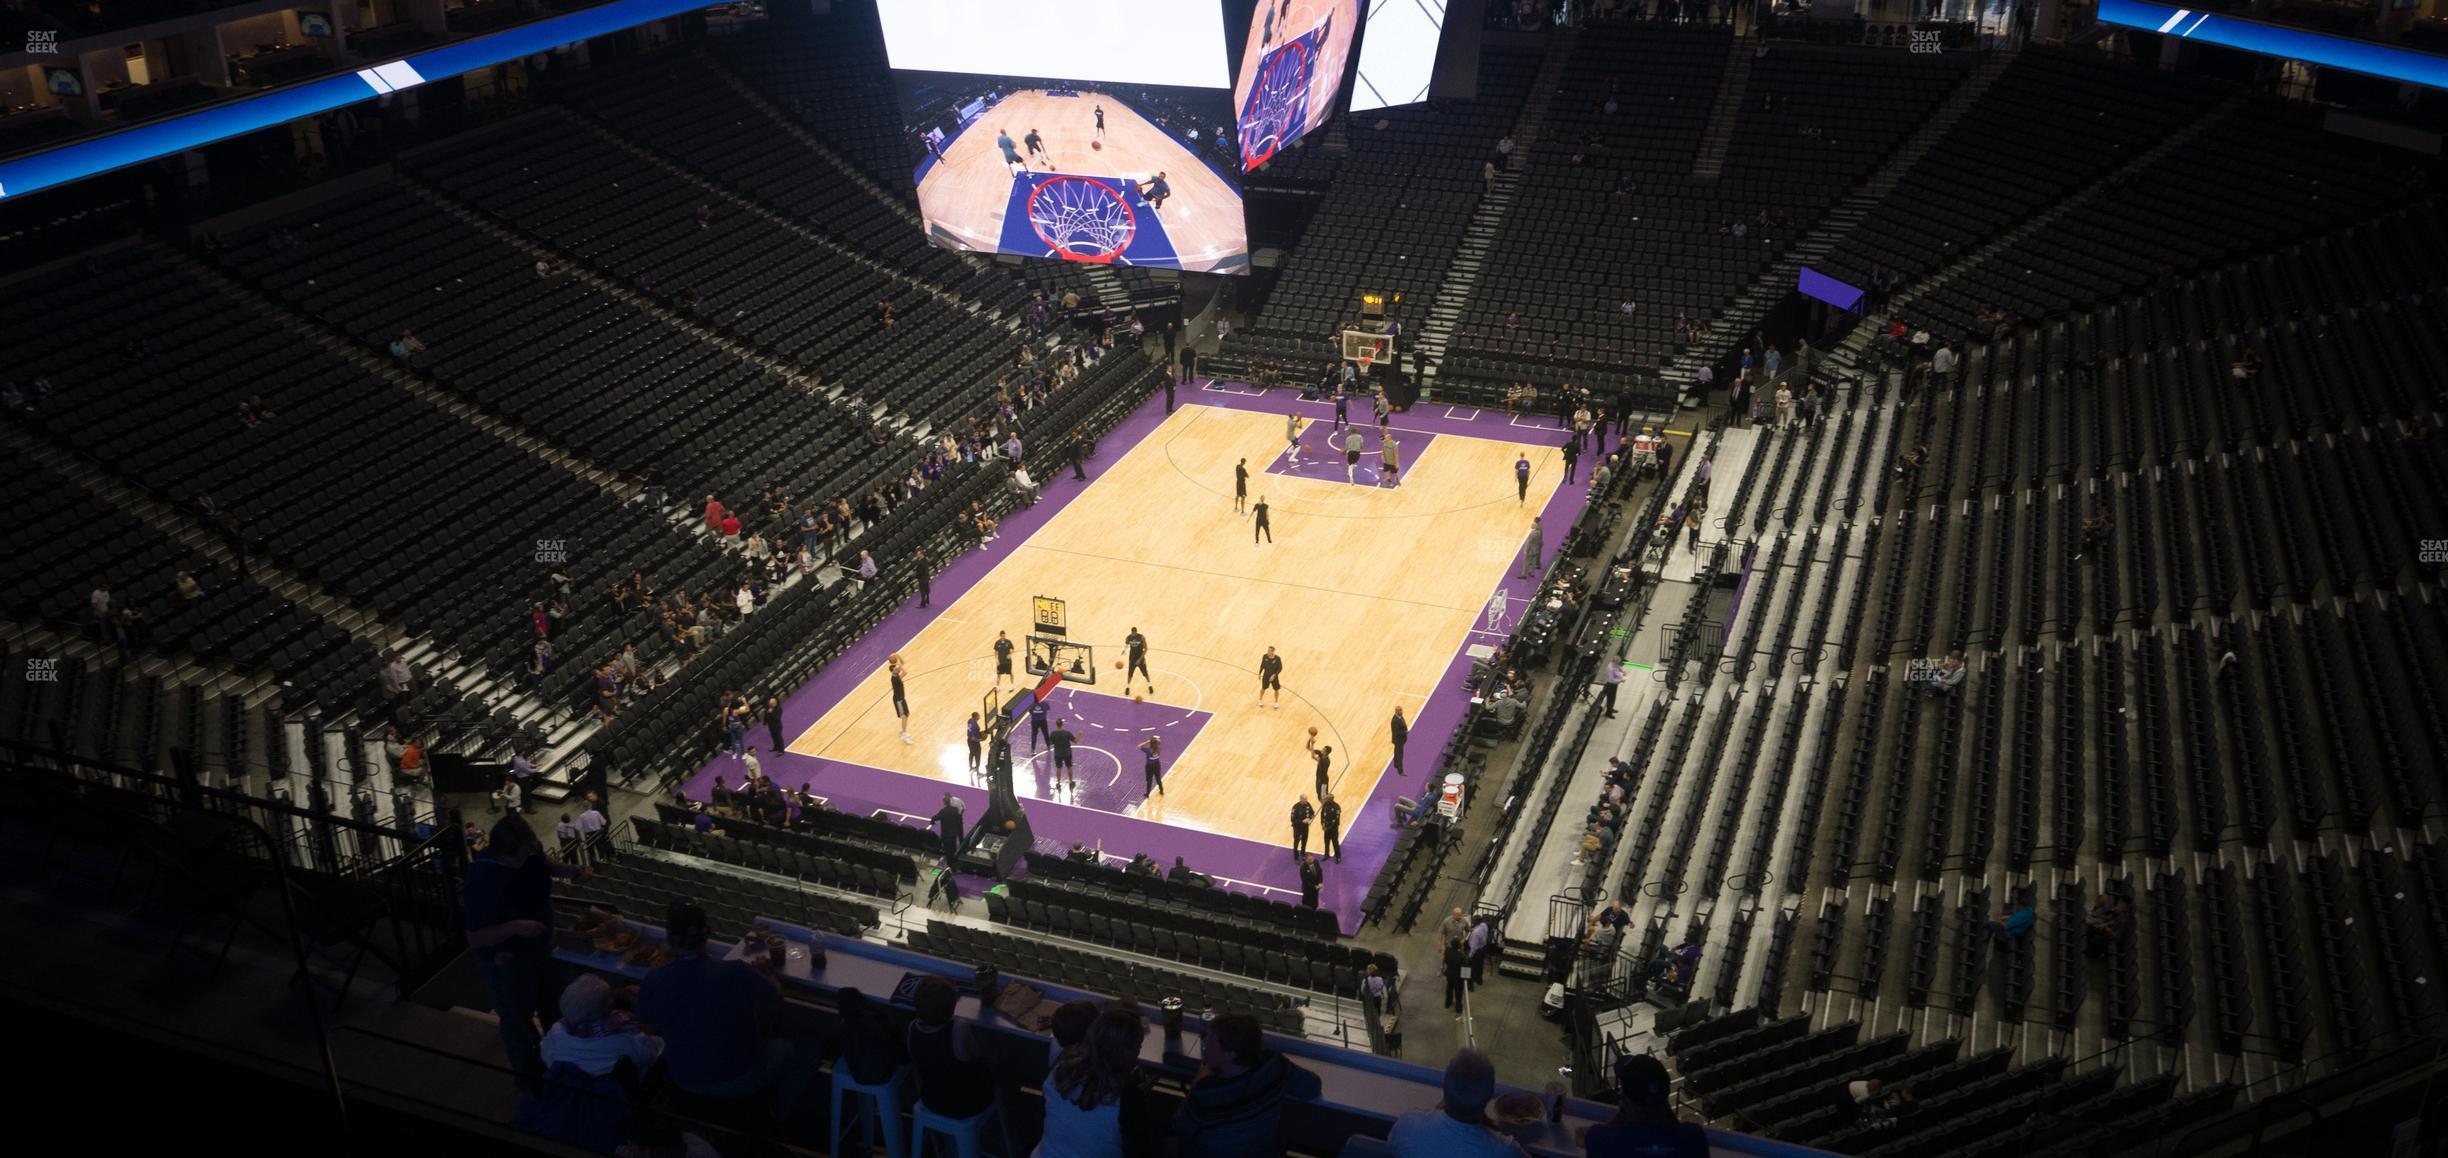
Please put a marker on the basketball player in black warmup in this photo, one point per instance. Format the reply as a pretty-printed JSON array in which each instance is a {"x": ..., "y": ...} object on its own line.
[
  {"x": 1154, "y": 768},
  {"x": 1270, "y": 678},
  {"x": 1262, "y": 527},
  {"x": 1002, "y": 652},
  {"x": 1063, "y": 739},
  {"x": 1241, "y": 487},
  {"x": 1137, "y": 644},
  {"x": 900, "y": 695},
  {"x": 1100, "y": 116},
  {"x": 1325, "y": 763}
]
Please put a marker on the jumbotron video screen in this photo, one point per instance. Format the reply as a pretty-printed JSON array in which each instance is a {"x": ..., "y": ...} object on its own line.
[
  {"x": 1128, "y": 156},
  {"x": 1291, "y": 71}
]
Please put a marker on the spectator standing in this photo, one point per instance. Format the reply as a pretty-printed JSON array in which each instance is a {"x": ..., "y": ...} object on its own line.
[
  {"x": 1610, "y": 682},
  {"x": 507, "y": 902},
  {"x": 397, "y": 681},
  {"x": 591, "y": 825},
  {"x": 1481, "y": 940},
  {"x": 1458, "y": 1127},
  {"x": 1453, "y": 926}
]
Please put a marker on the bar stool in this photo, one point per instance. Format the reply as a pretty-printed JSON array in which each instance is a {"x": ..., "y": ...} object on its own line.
[
  {"x": 878, "y": 1109},
  {"x": 967, "y": 1135}
]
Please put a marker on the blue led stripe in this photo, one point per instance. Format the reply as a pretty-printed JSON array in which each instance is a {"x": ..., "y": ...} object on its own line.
[
  {"x": 77, "y": 160},
  {"x": 2364, "y": 56}
]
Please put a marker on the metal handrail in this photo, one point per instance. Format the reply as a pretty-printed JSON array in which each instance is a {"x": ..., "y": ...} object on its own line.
[{"x": 280, "y": 876}]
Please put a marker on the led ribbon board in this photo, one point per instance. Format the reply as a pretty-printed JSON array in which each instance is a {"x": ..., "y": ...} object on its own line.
[
  {"x": 77, "y": 160},
  {"x": 2319, "y": 48}
]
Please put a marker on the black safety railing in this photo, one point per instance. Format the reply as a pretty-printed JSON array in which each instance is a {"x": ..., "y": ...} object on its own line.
[{"x": 401, "y": 908}]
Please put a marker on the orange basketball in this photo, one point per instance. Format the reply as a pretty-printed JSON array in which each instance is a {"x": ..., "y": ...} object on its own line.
[
  {"x": 1117, "y": 665},
  {"x": 1138, "y": 699},
  {"x": 1009, "y": 825},
  {"x": 1099, "y": 146},
  {"x": 1313, "y": 731}
]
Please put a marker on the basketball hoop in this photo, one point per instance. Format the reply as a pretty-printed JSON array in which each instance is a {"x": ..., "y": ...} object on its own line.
[
  {"x": 1367, "y": 356},
  {"x": 1081, "y": 219}
]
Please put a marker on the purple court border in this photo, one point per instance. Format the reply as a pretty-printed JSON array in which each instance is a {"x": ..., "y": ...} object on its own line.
[{"x": 1250, "y": 865}]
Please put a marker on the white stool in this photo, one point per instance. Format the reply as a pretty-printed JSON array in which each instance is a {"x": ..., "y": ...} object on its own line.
[
  {"x": 878, "y": 1111},
  {"x": 966, "y": 1134}
]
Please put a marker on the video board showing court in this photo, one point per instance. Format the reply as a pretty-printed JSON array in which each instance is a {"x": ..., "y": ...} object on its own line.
[
  {"x": 1077, "y": 170},
  {"x": 1291, "y": 71}
]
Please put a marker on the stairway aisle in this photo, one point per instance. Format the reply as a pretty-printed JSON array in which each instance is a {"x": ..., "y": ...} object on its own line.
[
  {"x": 1733, "y": 85},
  {"x": 1478, "y": 241}
]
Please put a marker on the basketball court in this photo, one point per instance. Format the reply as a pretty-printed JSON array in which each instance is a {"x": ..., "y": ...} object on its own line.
[
  {"x": 1374, "y": 596},
  {"x": 1289, "y": 70},
  {"x": 1076, "y": 201}
]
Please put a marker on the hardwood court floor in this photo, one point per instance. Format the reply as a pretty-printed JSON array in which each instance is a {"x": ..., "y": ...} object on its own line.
[
  {"x": 1367, "y": 594},
  {"x": 967, "y": 193}
]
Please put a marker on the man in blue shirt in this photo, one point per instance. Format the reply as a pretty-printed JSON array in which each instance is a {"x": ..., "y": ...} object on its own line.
[
  {"x": 721, "y": 1020},
  {"x": 2016, "y": 923}
]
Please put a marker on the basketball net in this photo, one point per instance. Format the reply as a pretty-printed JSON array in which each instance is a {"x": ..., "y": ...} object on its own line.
[{"x": 1366, "y": 357}]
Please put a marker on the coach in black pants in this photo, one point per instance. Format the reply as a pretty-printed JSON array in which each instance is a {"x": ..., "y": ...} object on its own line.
[
  {"x": 1402, "y": 733},
  {"x": 1301, "y": 812},
  {"x": 1330, "y": 821}
]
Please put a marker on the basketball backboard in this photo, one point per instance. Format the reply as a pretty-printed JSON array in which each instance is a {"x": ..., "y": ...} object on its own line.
[
  {"x": 1368, "y": 347},
  {"x": 1076, "y": 661}
]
